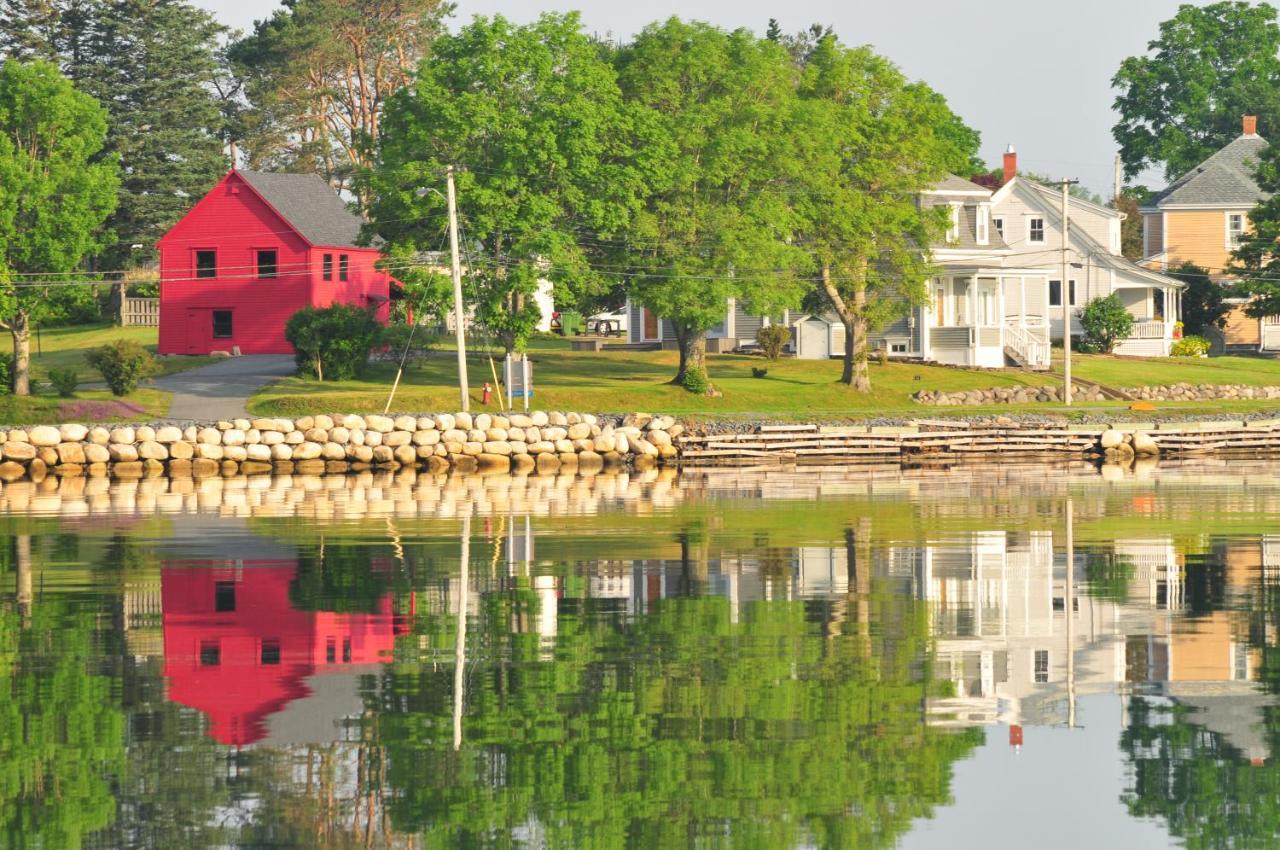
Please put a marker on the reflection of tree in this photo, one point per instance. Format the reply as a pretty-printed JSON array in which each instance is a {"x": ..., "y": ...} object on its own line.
[
  {"x": 340, "y": 578},
  {"x": 61, "y": 734},
  {"x": 679, "y": 727},
  {"x": 1108, "y": 575},
  {"x": 1206, "y": 791}
]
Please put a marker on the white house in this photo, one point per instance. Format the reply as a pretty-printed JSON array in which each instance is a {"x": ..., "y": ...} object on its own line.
[{"x": 1028, "y": 215}]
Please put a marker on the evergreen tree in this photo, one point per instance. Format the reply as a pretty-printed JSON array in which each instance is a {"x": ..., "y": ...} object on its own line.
[
  {"x": 52, "y": 30},
  {"x": 153, "y": 64}
]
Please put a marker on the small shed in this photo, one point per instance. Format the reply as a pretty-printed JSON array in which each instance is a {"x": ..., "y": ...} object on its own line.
[{"x": 817, "y": 338}]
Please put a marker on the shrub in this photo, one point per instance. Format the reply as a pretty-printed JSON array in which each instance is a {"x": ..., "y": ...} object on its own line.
[
  {"x": 773, "y": 339},
  {"x": 1190, "y": 346},
  {"x": 124, "y": 364},
  {"x": 64, "y": 381},
  {"x": 6, "y": 372},
  {"x": 757, "y": 372},
  {"x": 695, "y": 380},
  {"x": 332, "y": 342},
  {"x": 882, "y": 356},
  {"x": 1105, "y": 322}
]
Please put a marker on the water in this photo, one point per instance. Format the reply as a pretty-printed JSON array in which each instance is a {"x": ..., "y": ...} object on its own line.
[{"x": 996, "y": 656}]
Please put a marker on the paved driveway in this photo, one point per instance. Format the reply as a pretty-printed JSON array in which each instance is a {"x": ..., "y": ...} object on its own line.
[{"x": 220, "y": 390}]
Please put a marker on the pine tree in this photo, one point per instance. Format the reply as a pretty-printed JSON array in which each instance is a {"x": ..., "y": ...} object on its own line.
[
  {"x": 52, "y": 30},
  {"x": 154, "y": 64}
]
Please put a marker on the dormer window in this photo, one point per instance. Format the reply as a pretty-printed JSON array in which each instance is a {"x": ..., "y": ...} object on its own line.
[
  {"x": 982, "y": 228},
  {"x": 1035, "y": 231},
  {"x": 953, "y": 229}
]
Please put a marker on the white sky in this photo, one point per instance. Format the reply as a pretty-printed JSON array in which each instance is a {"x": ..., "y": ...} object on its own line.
[{"x": 1033, "y": 73}]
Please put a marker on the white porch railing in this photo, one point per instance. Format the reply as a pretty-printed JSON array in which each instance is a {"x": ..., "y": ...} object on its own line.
[
  {"x": 1031, "y": 344},
  {"x": 1150, "y": 330}
]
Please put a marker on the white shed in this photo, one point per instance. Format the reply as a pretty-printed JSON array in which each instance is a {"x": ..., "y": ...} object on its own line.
[{"x": 817, "y": 338}]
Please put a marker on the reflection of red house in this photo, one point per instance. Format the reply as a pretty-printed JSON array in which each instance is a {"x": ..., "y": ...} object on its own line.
[{"x": 236, "y": 650}]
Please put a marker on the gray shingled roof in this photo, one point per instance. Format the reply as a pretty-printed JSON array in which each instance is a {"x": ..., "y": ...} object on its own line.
[
  {"x": 952, "y": 183},
  {"x": 1225, "y": 179},
  {"x": 309, "y": 204}
]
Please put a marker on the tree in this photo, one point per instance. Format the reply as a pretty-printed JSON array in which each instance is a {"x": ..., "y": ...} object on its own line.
[
  {"x": 871, "y": 143},
  {"x": 55, "y": 194},
  {"x": 533, "y": 120},
  {"x": 153, "y": 64},
  {"x": 1129, "y": 203},
  {"x": 716, "y": 221},
  {"x": 1182, "y": 101},
  {"x": 1105, "y": 322},
  {"x": 1203, "y": 306},
  {"x": 318, "y": 74},
  {"x": 52, "y": 30},
  {"x": 1255, "y": 262},
  {"x": 332, "y": 341}
]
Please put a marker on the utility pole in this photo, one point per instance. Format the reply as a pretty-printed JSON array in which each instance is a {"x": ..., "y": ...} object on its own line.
[
  {"x": 458, "y": 317},
  {"x": 1069, "y": 602},
  {"x": 1065, "y": 292}
]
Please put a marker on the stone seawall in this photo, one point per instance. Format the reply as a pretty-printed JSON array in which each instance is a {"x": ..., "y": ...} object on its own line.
[{"x": 544, "y": 442}]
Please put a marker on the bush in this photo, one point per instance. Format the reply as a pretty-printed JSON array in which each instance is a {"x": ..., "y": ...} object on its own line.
[
  {"x": 695, "y": 380},
  {"x": 1190, "y": 346},
  {"x": 124, "y": 364},
  {"x": 332, "y": 342},
  {"x": 6, "y": 372},
  {"x": 757, "y": 372},
  {"x": 773, "y": 339},
  {"x": 1105, "y": 322},
  {"x": 64, "y": 381}
]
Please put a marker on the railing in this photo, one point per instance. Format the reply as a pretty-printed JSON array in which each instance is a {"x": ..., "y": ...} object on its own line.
[
  {"x": 1149, "y": 330},
  {"x": 1032, "y": 347},
  {"x": 140, "y": 311}
]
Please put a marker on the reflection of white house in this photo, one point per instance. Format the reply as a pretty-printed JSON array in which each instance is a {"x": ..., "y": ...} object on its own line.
[{"x": 1029, "y": 217}]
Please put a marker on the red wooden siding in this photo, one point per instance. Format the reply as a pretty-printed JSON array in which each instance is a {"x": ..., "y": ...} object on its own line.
[{"x": 236, "y": 223}]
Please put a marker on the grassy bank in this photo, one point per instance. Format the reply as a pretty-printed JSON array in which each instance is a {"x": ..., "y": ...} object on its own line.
[
  {"x": 88, "y": 406},
  {"x": 68, "y": 348},
  {"x": 631, "y": 380}
]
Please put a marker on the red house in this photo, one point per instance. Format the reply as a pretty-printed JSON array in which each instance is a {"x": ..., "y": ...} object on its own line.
[
  {"x": 238, "y": 651},
  {"x": 255, "y": 250}
]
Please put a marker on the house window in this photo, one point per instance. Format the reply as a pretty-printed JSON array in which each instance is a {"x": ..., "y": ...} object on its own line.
[
  {"x": 1041, "y": 670},
  {"x": 898, "y": 348},
  {"x": 222, "y": 328},
  {"x": 210, "y": 653},
  {"x": 346, "y": 650},
  {"x": 1235, "y": 229},
  {"x": 953, "y": 230},
  {"x": 998, "y": 222},
  {"x": 330, "y": 651},
  {"x": 206, "y": 264},
  {"x": 1055, "y": 293},
  {"x": 1035, "y": 231},
  {"x": 270, "y": 652},
  {"x": 267, "y": 263},
  {"x": 328, "y": 266},
  {"x": 981, "y": 226},
  {"x": 224, "y": 596},
  {"x": 342, "y": 267}
]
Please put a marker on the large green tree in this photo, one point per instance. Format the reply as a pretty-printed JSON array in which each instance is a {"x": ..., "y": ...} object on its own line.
[
  {"x": 55, "y": 194},
  {"x": 1255, "y": 262},
  {"x": 532, "y": 118},
  {"x": 52, "y": 30},
  {"x": 153, "y": 64},
  {"x": 318, "y": 74},
  {"x": 871, "y": 143},
  {"x": 717, "y": 222},
  {"x": 1183, "y": 99}
]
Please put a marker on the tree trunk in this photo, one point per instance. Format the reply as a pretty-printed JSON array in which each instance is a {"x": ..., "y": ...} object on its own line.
[
  {"x": 857, "y": 333},
  {"x": 22, "y": 556},
  {"x": 20, "y": 329}
]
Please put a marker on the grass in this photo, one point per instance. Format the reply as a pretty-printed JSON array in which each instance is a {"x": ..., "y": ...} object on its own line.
[
  {"x": 47, "y": 409},
  {"x": 67, "y": 348},
  {"x": 617, "y": 381}
]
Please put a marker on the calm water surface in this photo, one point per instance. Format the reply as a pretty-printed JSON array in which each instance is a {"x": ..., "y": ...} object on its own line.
[{"x": 984, "y": 657}]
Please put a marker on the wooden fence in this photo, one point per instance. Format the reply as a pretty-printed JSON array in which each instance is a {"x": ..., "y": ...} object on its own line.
[{"x": 144, "y": 312}]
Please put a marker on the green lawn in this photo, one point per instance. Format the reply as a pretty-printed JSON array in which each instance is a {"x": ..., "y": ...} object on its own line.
[
  {"x": 615, "y": 381},
  {"x": 1126, "y": 372},
  {"x": 88, "y": 406},
  {"x": 66, "y": 348}
]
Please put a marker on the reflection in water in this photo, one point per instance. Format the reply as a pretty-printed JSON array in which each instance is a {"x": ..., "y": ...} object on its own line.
[{"x": 759, "y": 658}]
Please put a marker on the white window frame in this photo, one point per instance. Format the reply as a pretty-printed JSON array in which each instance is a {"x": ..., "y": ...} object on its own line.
[
  {"x": 1035, "y": 671},
  {"x": 1071, "y": 292},
  {"x": 1233, "y": 238},
  {"x": 982, "y": 226},
  {"x": 1043, "y": 236},
  {"x": 953, "y": 231}
]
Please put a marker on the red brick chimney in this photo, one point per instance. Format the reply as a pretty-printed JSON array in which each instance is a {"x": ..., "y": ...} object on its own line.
[
  {"x": 1251, "y": 125},
  {"x": 1010, "y": 164}
]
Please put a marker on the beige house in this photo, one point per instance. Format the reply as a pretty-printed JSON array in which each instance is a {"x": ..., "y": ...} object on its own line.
[{"x": 1200, "y": 217}]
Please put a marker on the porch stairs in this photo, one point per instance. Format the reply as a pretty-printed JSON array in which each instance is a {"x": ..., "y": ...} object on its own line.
[{"x": 1025, "y": 350}]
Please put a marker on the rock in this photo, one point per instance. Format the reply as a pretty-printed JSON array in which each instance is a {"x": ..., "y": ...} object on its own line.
[
  {"x": 17, "y": 435},
  {"x": 548, "y": 463},
  {"x": 123, "y": 435},
  {"x": 181, "y": 450},
  {"x": 426, "y": 437},
  {"x": 47, "y": 454},
  {"x": 95, "y": 453},
  {"x": 499, "y": 434},
  {"x": 360, "y": 454},
  {"x": 152, "y": 450},
  {"x": 233, "y": 437},
  {"x": 522, "y": 464},
  {"x": 482, "y": 422},
  {"x": 18, "y": 451},
  {"x": 493, "y": 463},
  {"x": 144, "y": 433},
  {"x": 379, "y": 424},
  {"x": 1144, "y": 444},
  {"x": 10, "y": 471},
  {"x": 235, "y": 454},
  {"x": 340, "y": 435},
  {"x": 333, "y": 451},
  {"x": 406, "y": 423},
  {"x": 472, "y": 447},
  {"x": 99, "y": 435},
  {"x": 168, "y": 434},
  {"x": 209, "y": 436},
  {"x": 44, "y": 436},
  {"x": 281, "y": 452},
  {"x": 316, "y": 435},
  {"x": 538, "y": 418},
  {"x": 660, "y": 423},
  {"x": 637, "y": 420},
  {"x": 425, "y": 423},
  {"x": 1111, "y": 438},
  {"x": 307, "y": 451},
  {"x": 263, "y": 425},
  {"x": 476, "y": 435},
  {"x": 621, "y": 444},
  {"x": 293, "y": 438},
  {"x": 120, "y": 452},
  {"x": 304, "y": 423},
  {"x": 405, "y": 455},
  {"x": 521, "y": 420},
  {"x": 397, "y": 438},
  {"x": 604, "y": 444},
  {"x": 72, "y": 433},
  {"x": 564, "y": 446},
  {"x": 260, "y": 453},
  {"x": 208, "y": 451},
  {"x": 352, "y": 422},
  {"x": 464, "y": 420},
  {"x": 580, "y": 431},
  {"x": 659, "y": 438},
  {"x": 644, "y": 447},
  {"x": 557, "y": 418},
  {"x": 497, "y": 447},
  {"x": 445, "y": 422},
  {"x": 271, "y": 438},
  {"x": 554, "y": 433},
  {"x": 542, "y": 447}
]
